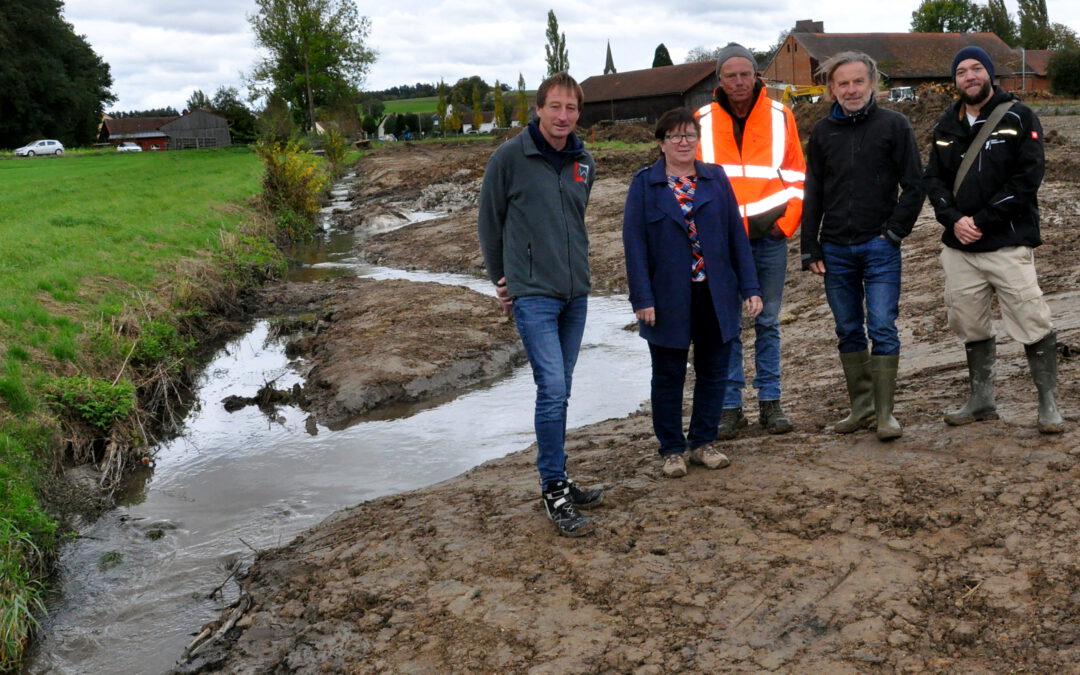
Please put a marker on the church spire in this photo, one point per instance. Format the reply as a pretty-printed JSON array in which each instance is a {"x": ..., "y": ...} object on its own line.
[{"x": 609, "y": 66}]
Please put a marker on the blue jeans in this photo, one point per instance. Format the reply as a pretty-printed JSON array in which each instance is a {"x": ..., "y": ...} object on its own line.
[
  {"x": 770, "y": 262},
  {"x": 551, "y": 330},
  {"x": 862, "y": 285},
  {"x": 711, "y": 365}
]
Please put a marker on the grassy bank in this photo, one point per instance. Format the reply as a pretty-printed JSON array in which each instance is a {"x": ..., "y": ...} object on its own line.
[{"x": 104, "y": 256}]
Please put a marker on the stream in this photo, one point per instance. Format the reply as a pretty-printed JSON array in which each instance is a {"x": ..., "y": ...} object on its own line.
[{"x": 134, "y": 588}]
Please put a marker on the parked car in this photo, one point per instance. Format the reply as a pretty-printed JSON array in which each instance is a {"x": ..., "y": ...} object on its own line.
[
  {"x": 128, "y": 146},
  {"x": 43, "y": 147}
]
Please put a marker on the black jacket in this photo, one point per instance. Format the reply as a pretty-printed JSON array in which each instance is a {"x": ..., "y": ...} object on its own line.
[
  {"x": 1000, "y": 190},
  {"x": 854, "y": 167}
]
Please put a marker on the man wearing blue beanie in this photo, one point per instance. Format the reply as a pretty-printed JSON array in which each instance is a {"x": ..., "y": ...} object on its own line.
[{"x": 986, "y": 164}]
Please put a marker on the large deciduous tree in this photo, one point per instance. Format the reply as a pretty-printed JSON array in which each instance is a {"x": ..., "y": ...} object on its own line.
[
  {"x": 227, "y": 103},
  {"x": 997, "y": 20},
  {"x": 1034, "y": 24},
  {"x": 946, "y": 16},
  {"x": 1063, "y": 69},
  {"x": 317, "y": 51},
  {"x": 52, "y": 83},
  {"x": 555, "y": 49}
]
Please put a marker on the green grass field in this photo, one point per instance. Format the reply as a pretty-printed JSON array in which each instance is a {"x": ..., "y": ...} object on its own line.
[
  {"x": 424, "y": 105},
  {"x": 85, "y": 238}
]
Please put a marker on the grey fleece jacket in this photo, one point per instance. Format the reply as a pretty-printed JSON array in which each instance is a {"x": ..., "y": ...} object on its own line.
[{"x": 532, "y": 220}]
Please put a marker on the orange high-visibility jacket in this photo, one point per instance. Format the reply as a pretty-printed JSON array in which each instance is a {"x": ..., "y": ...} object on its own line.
[{"x": 768, "y": 174}]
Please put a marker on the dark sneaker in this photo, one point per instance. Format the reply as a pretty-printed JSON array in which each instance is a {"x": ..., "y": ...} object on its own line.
[
  {"x": 731, "y": 420},
  {"x": 562, "y": 511},
  {"x": 772, "y": 418},
  {"x": 585, "y": 498}
]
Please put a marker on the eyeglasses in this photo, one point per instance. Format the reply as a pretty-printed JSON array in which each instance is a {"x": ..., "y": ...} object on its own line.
[{"x": 678, "y": 138}]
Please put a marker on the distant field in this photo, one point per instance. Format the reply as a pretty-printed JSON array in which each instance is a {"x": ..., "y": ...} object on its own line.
[{"x": 412, "y": 105}]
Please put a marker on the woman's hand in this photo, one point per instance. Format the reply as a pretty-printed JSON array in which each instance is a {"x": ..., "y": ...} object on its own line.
[
  {"x": 752, "y": 305},
  {"x": 647, "y": 315}
]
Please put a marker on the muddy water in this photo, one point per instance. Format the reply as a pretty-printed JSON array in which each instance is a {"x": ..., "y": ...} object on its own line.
[{"x": 135, "y": 586}]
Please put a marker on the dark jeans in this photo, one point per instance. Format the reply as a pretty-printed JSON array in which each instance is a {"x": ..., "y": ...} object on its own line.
[
  {"x": 551, "y": 330},
  {"x": 711, "y": 363},
  {"x": 862, "y": 285}
]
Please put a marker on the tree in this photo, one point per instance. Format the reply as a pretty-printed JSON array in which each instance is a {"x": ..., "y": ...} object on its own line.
[
  {"x": 1062, "y": 37},
  {"x": 946, "y": 16},
  {"x": 276, "y": 121},
  {"x": 463, "y": 89},
  {"x": 555, "y": 49},
  {"x": 522, "y": 102},
  {"x": 1034, "y": 24},
  {"x": 52, "y": 83},
  {"x": 227, "y": 103},
  {"x": 440, "y": 107},
  {"x": 317, "y": 51},
  {"x": 996, "y": 19},
  {"x": 477, "y": 112},
  {"x": 1063, "y": 69},
  {"x": 198, "y": 101},
  {"x": 661, "y": 56},
  {"x": 499, "y": 119}
]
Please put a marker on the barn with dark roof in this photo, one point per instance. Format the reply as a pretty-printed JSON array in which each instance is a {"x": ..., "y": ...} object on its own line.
[{"x": 644, "y": 95}]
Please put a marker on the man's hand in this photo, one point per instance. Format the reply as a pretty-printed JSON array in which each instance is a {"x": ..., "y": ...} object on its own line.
[
  {"x": 647, "y": 315},
  {"x": 965, "y": 230},
  {"x": 752, "y": 305},
  {"x": 818, "y": 267},
  {"x": 502, "y": 293}
]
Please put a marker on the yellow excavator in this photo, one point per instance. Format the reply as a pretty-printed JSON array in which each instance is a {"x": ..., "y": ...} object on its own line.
[{"x": 791, "y": 95}]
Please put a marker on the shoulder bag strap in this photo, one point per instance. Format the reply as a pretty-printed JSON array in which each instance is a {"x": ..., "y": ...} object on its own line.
[{"x": 976, "y": 145}]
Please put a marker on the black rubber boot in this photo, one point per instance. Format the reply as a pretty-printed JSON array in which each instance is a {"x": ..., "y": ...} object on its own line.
[
  {"x": 772, "y": 418},
  {"x": 586, "y": 498},
  {"x": 1042, "y": 358},
  {"x": 860, "y": 388},
  {"x": 561, "y": 510},
  {"x": 980, "y": 406},
  {"x": 731, "y": 420},
  {"x": 883, "y": 372}
]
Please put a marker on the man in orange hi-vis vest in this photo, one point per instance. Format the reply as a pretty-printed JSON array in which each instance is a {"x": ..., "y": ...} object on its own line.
[{"x": 755, "y": 139}]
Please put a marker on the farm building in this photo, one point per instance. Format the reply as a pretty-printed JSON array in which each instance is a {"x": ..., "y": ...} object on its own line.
[
  {"x": 646, "y": 94},
  {"x": 146, "y": 131},
  {"x": 198, "y": 129},
  {"x": 905, "y": 59}
]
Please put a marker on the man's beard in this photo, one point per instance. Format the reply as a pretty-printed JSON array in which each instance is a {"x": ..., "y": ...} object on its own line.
[{"x": 984, "y": 93}]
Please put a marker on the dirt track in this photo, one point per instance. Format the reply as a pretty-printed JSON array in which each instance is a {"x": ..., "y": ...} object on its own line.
[{"x": 950, "y": 549}]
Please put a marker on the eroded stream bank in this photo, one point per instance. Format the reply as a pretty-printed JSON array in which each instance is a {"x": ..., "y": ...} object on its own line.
[{"x": 135, "y": 585}]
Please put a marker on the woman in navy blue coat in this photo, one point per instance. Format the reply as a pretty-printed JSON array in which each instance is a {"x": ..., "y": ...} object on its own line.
[{"x": 690, "y": 271}]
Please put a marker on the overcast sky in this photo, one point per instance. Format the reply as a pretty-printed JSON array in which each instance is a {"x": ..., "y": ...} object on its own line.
[{"x": 162, "y": 50}]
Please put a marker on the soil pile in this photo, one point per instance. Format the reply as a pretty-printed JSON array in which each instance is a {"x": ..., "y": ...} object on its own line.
[{"x": 950, "y": 549}]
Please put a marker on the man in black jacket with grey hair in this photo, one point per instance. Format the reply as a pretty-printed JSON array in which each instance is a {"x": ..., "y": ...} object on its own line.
[{"x": 863, "y": 195}]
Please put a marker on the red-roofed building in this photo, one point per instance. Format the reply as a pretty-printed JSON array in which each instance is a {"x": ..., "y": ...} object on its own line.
[
  {"x": 146, "y": 131},
  {"x": 905, "y": 59},
  {"x": 192, "y": 130}
]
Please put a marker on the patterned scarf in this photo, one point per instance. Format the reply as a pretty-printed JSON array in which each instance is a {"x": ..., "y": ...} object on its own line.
[{"x": 684, "y": 188}]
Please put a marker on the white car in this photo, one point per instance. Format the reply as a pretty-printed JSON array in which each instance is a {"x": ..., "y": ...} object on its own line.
[
  {"x": 128, "y": 147},
  {"x": 45, "y": 147}
]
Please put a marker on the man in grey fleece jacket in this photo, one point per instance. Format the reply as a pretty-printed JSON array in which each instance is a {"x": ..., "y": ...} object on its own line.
[{"x": 536, "y": 251}]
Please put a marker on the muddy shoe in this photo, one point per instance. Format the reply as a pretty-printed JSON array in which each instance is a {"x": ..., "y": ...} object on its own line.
[
  {"x": 731, "y": 420},
  {"x": 709, "y": 457},
  {"x": 586, "y": 498},
  {"x": 561, "y": 510},
  {"x": 675, "y": 466},
  {"x": 772, "y": 418}
]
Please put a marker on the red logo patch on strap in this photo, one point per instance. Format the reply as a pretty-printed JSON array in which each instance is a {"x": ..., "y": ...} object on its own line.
[{"x": 1034, "y": 135}]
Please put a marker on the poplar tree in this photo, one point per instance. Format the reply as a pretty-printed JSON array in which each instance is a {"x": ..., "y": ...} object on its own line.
[
  {"x": 522, "y": 102},
  {"x": 440, "y": 107},
  {"x": 500, "y": 113},
  {"x": 477, "y": 113},
  {"x": 557, "y": 58}
]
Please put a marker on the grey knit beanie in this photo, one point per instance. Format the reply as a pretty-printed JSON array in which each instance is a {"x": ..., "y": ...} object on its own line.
[{"x": 733, "y": 49}]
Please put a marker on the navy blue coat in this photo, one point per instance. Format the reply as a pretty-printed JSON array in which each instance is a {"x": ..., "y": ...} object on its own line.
[{"x": 658, "y": 257}]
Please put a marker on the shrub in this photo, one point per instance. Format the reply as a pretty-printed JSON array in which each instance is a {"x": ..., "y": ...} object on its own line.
[
  {"x": 1063, "y": 69},
  {"x": 336, "y": 148},
  {"x": 97, "y": 402},
  {"x": 20, "y": 593},
  {"x": 293, "y": 187}
]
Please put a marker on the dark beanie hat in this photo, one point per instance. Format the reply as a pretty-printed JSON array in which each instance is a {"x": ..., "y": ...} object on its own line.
[
  {"x": 973, "y": 52},
  {"x": 733, "y": 49}
]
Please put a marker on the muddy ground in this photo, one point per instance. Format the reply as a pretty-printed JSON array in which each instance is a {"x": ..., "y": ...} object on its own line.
[{"x": 948, "y": 550}]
